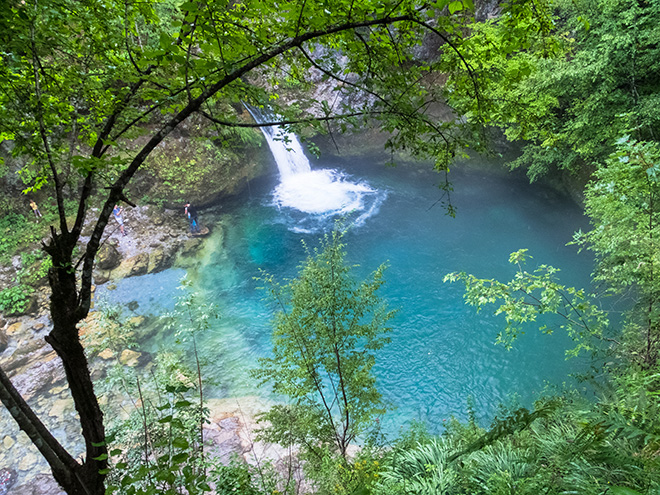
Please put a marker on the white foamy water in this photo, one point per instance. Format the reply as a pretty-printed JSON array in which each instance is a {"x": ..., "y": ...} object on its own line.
[
  {"x": 318, "y": 194},
  {"x": 321, "y": 192}
]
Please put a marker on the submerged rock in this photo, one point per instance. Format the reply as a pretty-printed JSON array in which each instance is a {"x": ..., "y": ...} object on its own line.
[
  {"x": 223, "y": 441},
  {"x": 130, "y": 358}
]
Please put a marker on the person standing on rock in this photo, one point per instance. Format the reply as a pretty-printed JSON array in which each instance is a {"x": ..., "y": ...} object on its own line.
[
  {"x": 191, "y": 213},
  {"x": 117, "y": 212}
]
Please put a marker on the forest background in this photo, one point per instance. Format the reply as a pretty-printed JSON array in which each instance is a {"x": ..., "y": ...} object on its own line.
[{"x": 89, "y": 91}]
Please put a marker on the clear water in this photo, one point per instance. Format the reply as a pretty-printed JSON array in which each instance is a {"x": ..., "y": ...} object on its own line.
[{"x": 442, "y": 351}]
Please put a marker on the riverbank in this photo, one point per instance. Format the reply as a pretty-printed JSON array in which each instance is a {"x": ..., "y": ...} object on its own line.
[{"x": 156, "y": 240}]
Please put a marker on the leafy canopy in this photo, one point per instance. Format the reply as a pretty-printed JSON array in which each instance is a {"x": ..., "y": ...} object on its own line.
[{"x": 571, "y": 97}]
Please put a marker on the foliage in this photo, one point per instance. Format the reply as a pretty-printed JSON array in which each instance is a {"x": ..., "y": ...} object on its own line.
[
  {"x": 529, "y": 295},
  {"x": 325, "y": 332},
  {"x": 163, "y": 452},
  {"x": 156, "y": 420},
  {"x": 191, "y": 315},
  {"x": 564, "y": 446},
  {"x": 622, "y": 203},
  {"x": 17, "y": 231},
  {"x": 571, "y": 99},
  {"x": 15, "y": 299},
  {"x": 88, "y": 90}
]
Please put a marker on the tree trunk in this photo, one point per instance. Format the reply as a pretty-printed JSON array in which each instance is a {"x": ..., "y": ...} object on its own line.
[{"x": 65, "y": 340}]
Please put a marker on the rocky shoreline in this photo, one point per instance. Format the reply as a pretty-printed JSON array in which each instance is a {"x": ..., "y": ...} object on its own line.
[{"x": 155, "y": 240}]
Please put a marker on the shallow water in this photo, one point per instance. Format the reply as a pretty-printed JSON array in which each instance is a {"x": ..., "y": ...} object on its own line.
[{"x": 442, "y": 351}]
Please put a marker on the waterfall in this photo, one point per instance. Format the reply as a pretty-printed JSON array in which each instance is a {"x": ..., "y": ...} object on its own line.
[
  {"x": 311, "y": 199},
  {"x": 286, "y": 150}
]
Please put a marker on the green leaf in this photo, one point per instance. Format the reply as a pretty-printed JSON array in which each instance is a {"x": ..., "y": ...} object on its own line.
[
  {"x": 180, "y": 458},
  {"x": 455, "y": 6},
  {"x": 180, "y": 443}
]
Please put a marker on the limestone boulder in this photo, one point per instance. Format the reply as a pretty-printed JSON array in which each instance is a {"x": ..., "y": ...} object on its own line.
[
  {"x": 108, "y": 257},
  {"x": 39, "y": 376},
  {"x": 130, "y": 358},
  {"x": 14, "y": 328},
  {"x": 61, "y": 407},
  {"x": 8, "y": 442},
  {"x": 159, "y": 260},
  {"x": 106, "y": 354},
  {"x": 135, "y": 265},
  {"x": 141, "y": 264}
]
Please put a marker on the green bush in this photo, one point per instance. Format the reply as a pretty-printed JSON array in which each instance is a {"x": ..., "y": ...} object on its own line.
[{"x": 14, "y": 300}]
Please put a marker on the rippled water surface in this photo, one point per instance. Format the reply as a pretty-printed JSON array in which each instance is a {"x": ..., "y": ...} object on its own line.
[{"x": 442, "y": 351}]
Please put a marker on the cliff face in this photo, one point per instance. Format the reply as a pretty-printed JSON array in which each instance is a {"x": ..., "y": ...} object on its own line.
[{"x": 195, "y": 164}]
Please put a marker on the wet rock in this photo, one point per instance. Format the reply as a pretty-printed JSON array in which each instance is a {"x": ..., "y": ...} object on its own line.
[
  {"x": 29, "y": 346},
  {"x": 14, "y": 363},
  {"x": 38, "y": 327},
  {"x": 101, "y": 278},
  {"x": 190, "y": 247},
  {"x": 136, "y": 265},
  {"x": 159, "y": 260},
  {"x": 42, "y": 484},
  {"x": 133, "y": 305},
  {"x": 108, "y": 257},
  {"x": 7, "y": 479}
]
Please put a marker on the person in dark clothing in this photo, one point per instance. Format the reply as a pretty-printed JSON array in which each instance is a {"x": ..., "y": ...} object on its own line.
[{"x": 191, "y": 212}]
